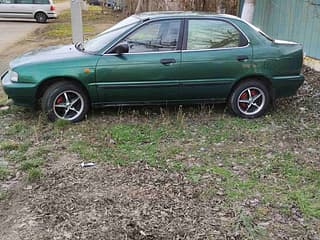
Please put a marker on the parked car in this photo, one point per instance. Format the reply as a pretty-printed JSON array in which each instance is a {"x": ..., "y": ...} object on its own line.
[
  {"x": 96, "y": 2},
  {"x": 107, "y": 3},
  {"x": 159, "y": 58},
  {"x": 40, "y": 10}
]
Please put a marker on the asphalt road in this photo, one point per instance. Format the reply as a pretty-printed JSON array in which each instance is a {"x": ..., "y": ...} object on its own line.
[{"x": 13, "y": 30}]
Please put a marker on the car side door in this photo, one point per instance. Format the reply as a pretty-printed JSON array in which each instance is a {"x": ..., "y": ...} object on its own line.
[
  {"x": 149, "y": 72},
  {"x": 215, "y": 54},
  {"x": 23, "y": 8}
]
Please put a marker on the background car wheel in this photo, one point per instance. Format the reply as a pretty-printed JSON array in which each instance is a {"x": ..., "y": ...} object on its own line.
[
  {"x": 65, "y": 101},
  {"x": 250, "y": 99},
  {"x": 41, "y": 17}
]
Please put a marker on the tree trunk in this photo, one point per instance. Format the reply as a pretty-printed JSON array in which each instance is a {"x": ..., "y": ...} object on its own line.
[
  {"x": 248, "y": 10},
  {"x": 221, "y": 7},
  {"x": 139, "y": 6}
]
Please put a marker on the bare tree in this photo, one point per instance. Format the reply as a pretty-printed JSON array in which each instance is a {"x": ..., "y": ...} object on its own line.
[
  {"x": 139, "y": 6},
  {"x": 221, "y": 6}
]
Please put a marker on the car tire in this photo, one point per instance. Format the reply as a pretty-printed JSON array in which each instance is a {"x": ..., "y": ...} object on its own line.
[
  {"x": 249, "y": 99},
  {"x": 41, "y": 17},
  {"x": 66, "y": 101}
]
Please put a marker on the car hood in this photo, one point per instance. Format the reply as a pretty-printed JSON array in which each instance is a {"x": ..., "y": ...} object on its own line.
[{"x": 47, "y": 54}]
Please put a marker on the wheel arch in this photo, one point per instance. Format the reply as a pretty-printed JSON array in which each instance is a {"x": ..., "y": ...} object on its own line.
[
  {"x": 39, "y": 11},
  {"x": 43, "y": 86},
  {"x": 267, "y": 82}
]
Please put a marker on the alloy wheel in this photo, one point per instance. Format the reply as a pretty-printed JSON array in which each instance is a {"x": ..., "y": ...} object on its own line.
[
  {"x": 68, "y": 105},
  {"x": 251, "y": 101}
]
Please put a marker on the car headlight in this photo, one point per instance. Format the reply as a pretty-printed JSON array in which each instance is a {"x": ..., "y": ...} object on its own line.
[{"x": 13, "y": 76}]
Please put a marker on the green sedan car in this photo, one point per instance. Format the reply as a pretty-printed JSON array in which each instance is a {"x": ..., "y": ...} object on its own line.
[{"x": 159, "y": 58}]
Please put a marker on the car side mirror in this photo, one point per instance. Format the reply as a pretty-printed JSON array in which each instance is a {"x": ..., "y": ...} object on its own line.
[{"x": 121, "y": 48}]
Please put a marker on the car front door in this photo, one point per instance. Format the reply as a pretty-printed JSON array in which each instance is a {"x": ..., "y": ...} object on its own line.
[
  {"x": 149, "y": 72},
  {"x": 215, "y": 54}
]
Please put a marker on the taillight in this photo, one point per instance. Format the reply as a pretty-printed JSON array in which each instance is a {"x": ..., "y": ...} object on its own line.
[{"x": 52, "y": 8}]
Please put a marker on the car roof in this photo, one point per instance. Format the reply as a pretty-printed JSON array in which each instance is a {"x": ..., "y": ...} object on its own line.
[{"x": 183, "y": 14}]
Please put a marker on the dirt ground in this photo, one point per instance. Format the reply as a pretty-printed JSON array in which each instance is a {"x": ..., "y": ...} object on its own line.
[{"x": 134, "y": 201}]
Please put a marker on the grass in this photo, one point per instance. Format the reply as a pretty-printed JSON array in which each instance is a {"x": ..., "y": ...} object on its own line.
[
  {"x": 34, "y": 174},
  {"x": 4, "y": 172},
  {"x": 243, "y": 160},
  {"x": 61, "y": 28},
  {"x": 3, "y": 195}
]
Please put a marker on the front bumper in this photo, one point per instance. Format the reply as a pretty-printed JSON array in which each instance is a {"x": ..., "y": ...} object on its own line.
[
  {"x": 285, "y": 86},
  {"x": 21, "y": 93}
]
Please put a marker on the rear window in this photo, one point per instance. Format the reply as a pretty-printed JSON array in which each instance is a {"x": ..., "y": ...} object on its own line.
[
  {"x": 213, "y": 34},
  {"x": 41, "y": 1}
]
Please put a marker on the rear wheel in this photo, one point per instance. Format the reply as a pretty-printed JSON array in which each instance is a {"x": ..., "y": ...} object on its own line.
[
  {"x": 65, "y": 101},
  {"x": 41, "y": 17},
  {"x": 250, "y": 99}
]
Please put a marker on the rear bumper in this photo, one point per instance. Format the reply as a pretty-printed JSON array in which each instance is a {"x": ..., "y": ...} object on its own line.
[
  {"x": 52, "y": 15},
  {"x": 286, "y": 86},
  {"x": 22, "y": 94}
]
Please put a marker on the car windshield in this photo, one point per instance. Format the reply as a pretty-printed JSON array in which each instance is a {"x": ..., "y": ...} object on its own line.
[{"x": 103, "y": 39}]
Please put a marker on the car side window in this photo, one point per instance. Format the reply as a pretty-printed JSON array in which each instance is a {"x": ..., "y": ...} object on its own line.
[
  {"x": 6, "y": 1},
  {"x": 213, "y": 34},
  {"x": 155, "y": 37},
  {"x": 23, "y": 1}
]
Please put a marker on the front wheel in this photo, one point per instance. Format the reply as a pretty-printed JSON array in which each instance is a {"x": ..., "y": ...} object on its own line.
[
  {"x": 250, "y": 99},
  {"x": 65, "y": 101}
]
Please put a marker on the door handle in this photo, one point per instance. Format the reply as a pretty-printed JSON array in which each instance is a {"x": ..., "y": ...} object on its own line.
[
  {"x": 242, "y": 58},
  {"x": 167, "y": 61}
]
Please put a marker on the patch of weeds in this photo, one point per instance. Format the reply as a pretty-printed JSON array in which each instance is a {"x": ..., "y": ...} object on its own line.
[
  {"x": 63, "y": 30},
  {"x": 180, "y": 117},
  {"x": 13, "y": 109},
  {"x": 4, "y": 172},
  {"x": 34, "y": 174},
  {"x": 195, "y": 173},
  {"x": 132, "y": 142},
  {"x": 221, "y": 171},
  {"x": 32, "y": 163},
  {"x": 17, "y": 151},
  {"x": 307, "y": 200},
  {"x": 61, "y": 123},
  {"x": 19, "y": 127},
  {"x": 245, "y": 224},
  {"x": 9, "y": 145},
  {"x": 238, "y": 189},
  {"x": 3, "y": 195}
]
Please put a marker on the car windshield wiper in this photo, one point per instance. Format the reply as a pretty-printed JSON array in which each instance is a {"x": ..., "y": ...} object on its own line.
[{"x": 79, "y": 46}]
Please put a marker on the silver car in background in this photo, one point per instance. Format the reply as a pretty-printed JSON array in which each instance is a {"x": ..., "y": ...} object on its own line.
[{"x": 40, "y": 10}]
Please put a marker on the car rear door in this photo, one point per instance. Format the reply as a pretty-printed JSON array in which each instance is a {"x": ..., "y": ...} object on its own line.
[
  {"x": 149, "y": 72},
  {"x": 215, "y": 54},
  {"x": 23, "y": 8}
]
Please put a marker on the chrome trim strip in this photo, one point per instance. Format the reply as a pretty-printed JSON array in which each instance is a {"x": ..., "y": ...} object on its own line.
[
  {"x": 4, "y": 74},
  {"x": 115, "y": 54},
  {"x": 215, "y": 49},
  {"x": 176, "y": 51}
]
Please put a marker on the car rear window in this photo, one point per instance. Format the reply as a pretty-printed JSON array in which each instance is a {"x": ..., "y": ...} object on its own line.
[
  {"x": 41, "y": 2},
  {"x": 213, "y": 34}
]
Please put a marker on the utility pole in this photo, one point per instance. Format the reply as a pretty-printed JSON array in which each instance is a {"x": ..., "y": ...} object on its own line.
[
  {"x": 248, "y": 10},
  {"x": 76, "y": 21}
]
